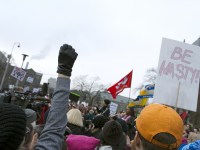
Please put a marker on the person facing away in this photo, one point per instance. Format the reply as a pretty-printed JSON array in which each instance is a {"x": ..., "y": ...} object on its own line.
[
  {"x": 129, "y": 118},
  {"x": 159, "y": 127},
  {"x": 52, "y": 136},
  {"x": 113, "y": 136},
  {"x": 75, "y": 121},
  {"x": 105, "y": 110},
  {"x": 12, "y": 127}
]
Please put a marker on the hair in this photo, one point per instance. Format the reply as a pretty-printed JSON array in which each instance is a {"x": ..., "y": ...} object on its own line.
[
  {"x": 74, "y": 116},
  {"x": 132, "y": 111},
  {"x": 28, "y": 136},
  {"x": 99, "y": 121},
  {"x": 107, "y": 102},
  {"x": 165, "y": 138}
]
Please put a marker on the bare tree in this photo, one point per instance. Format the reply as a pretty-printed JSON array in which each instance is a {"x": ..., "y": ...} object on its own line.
[
  {"x": 89, "y": 88},
  {"x": 149, "y": 78}
]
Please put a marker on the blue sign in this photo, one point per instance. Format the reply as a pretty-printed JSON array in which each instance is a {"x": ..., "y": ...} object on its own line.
[
  {"x": 150, "y": 87},
  {"x": 145, "y": 96}
]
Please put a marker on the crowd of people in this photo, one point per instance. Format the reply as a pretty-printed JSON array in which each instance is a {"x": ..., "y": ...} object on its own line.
[{"x": 71, "y": 127}]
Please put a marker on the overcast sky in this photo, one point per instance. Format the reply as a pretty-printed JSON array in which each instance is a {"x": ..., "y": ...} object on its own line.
[{"x": 112, "y": 37}]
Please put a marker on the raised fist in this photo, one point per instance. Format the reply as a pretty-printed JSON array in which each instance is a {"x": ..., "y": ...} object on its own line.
[{"x": 66, "y": 59}]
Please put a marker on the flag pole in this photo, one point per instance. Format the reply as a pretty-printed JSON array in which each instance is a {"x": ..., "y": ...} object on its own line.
[
  {"x": 129, "y": 95},
  {"x": 177, "y": 97},
  {"x": 130, "y": 89}
]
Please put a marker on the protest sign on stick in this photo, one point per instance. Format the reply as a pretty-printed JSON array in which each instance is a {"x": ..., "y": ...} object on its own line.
[
  {"x": 113, "y": 108},
  {"x": 177, "y": 83},
  {"x": 18, "y": 73}
]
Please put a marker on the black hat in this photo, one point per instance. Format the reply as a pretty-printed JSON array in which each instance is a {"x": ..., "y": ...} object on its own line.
[
  {"x": 107, "y": 102},
  {"x": 12, "y": 126},
  {"x": 112, "y": 132},
  {"x": 99, "y": 121}
]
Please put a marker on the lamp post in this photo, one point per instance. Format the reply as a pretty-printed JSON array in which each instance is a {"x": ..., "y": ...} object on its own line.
[
  {"x": 9, "y": 57},
  {"x": 24, "y": 57}
]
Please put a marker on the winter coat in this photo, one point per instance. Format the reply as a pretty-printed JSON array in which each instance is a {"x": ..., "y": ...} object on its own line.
[{"x": 76, "y": 129}]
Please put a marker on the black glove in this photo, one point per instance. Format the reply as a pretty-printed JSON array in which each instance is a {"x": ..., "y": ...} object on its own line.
[{"x": 66, "y": 59}]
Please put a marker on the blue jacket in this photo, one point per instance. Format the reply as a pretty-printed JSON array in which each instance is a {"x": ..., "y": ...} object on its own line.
[
  {"x": 52, "y": 135},
  {"x": 191, "y": 146}
]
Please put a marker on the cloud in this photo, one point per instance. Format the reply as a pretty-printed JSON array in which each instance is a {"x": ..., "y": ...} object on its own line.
[{"x": 42, "y": 53}]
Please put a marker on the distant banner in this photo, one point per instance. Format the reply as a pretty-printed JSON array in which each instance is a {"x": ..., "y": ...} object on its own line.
[
  {"x": 30, "y": 80},
  {"x": 18, "y": 73},
  {"x": 145, "y": 96}
]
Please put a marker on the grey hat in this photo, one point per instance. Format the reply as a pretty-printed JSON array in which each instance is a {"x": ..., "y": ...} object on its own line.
[{"x": 30, "y": 116}]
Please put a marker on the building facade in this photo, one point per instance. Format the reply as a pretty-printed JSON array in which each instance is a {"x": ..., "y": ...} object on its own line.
[{"x": 31, "y": 80}]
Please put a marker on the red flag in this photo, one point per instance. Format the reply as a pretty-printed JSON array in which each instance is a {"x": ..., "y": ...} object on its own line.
[{"x": 117, "y": 88}]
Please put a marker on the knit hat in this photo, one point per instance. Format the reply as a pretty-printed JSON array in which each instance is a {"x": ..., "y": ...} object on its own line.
[
  {"x": 30, "y": 116},
  {"x": 74, "y": 116},
  {"x": 81, "y": 142},
  {"x": 112, "y": 132},
  {"x": 99, "y": 121},
  {"x": 157, "y": 118},
  {"x": 12, "y": 126}
]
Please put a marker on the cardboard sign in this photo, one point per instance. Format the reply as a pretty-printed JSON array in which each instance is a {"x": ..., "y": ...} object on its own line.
[
  {"x": 113, "y": 108},
  {"x": 177, "y": 83},
  {"x": 18, "y": 73}
]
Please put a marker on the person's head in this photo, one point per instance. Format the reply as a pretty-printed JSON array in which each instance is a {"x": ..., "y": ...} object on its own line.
[
  {"x": 123, "y": 124},
  {"x": 74, "y": 116},
  {"x": 31, "y": 117},
  {"x": 195, "y": 130},
  {"x": 12, "y": 127},
  {"x": 130, "y": 111},
  {"x": 189, "y": 127},
  {"x": 91, "y": 111},
  {"x": 99, "y": 121},
  {"x": 159, "y": 127},
  {"x": 106, "y": 102},
  {"x": 112, "y": 134}
]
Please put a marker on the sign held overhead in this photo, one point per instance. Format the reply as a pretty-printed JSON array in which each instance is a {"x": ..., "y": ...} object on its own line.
[{"x": 177, "y": 83}]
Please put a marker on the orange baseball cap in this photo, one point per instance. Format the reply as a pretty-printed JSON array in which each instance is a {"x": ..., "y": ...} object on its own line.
[{"x": 157, "y": 118}]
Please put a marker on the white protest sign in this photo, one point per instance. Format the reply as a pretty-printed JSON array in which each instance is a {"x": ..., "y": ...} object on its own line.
[
  {"x": 18, "y": 73},
  {"x": 113, "y": 108},
  {"x": 177, "y": 83},
  {"x": 30, "y": 80},
  {"x": 36, "y": 90}
]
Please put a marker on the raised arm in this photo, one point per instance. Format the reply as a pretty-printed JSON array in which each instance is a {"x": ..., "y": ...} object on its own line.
[{"x": 53, "y": 134}]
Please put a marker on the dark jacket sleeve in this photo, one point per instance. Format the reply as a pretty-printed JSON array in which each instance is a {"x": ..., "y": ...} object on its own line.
[
  {"x": 106, "y": 113},
  {"x": 53, "y": 134}
]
